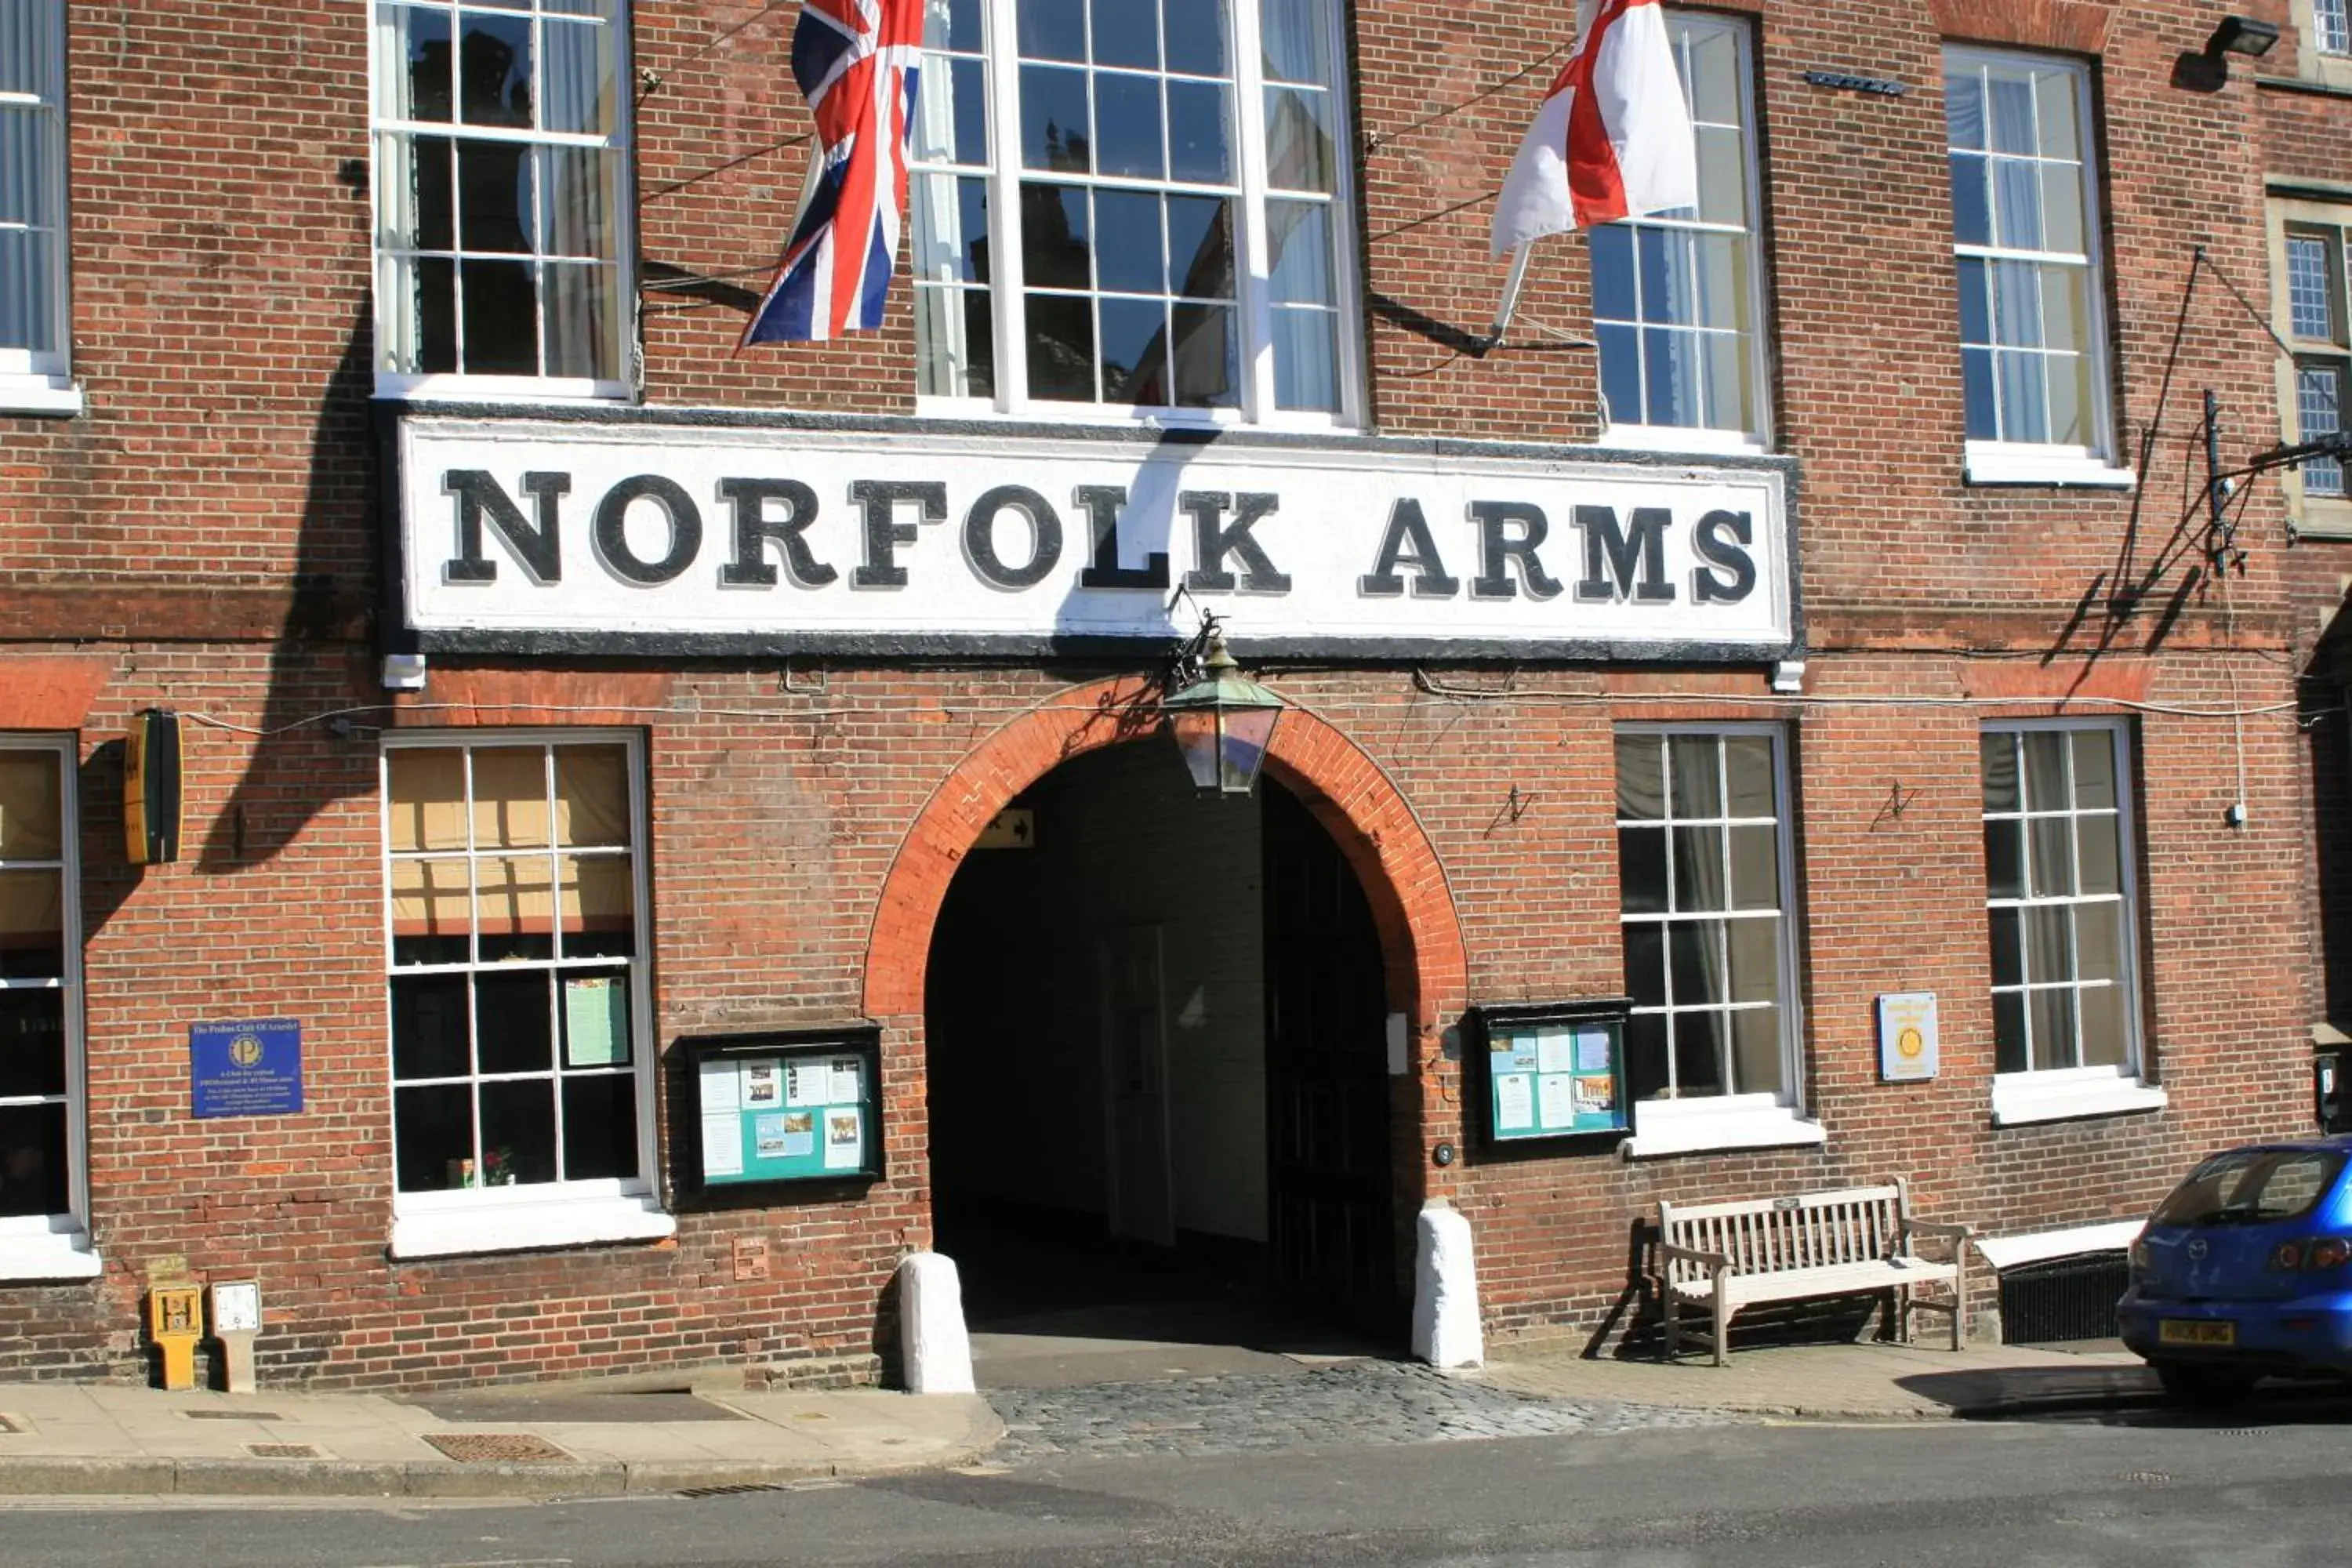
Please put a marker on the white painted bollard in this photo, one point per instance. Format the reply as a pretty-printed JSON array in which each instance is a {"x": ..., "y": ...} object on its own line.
[
  {"x": 931, "y": 1338},
  {"x": 1445, "y": 1330}
]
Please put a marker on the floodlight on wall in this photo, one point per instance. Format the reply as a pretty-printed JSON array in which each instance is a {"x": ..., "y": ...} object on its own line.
[
  {"x": 2243, "y": 35},
  {"x": 1223, "y": 722},
  {"x": 2208, "y": 70}
]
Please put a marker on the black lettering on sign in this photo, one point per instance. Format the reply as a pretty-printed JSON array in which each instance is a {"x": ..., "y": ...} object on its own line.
[
  {"x": 1213, "y": 539},
  {"x": 1407, "y": 527},
  {"x": 1498, "y": 547},
  {"x": 683, "y": 518},
  {"x": 480, "y": 498},
  {"x": 1104, "y": 505},
  {"x": 1718, "y": 540},
  {"x": 755, "y": 530},
  {"x": 1613, "y": 557},
  {"x": 1045, "y": 537},
  {"x": 884, "y": 531}
]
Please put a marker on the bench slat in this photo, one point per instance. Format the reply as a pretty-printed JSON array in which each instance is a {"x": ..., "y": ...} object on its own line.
[{"x": 1742, "y": 1289}]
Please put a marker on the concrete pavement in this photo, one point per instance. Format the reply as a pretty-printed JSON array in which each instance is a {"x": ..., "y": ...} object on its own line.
[
  {"x": 1867, "y": 1380},
  {"x": 537, "y": 1443},
  {"x": 1144, "y": 1399}
]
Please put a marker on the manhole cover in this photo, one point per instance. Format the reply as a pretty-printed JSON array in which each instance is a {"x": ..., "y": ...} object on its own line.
[
  {"x": 281, "y": 1451},
  {"x": 495, "y": 1447},
  {"x": 231, "y": 1416},
  {"x": 14, "y": 1423}
]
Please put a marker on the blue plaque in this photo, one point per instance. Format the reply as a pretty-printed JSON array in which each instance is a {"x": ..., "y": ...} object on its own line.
[{"x": 249, "y": 1069}]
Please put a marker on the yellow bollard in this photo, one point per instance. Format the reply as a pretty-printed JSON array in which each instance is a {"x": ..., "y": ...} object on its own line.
[{"x": 176, "y": 1321}]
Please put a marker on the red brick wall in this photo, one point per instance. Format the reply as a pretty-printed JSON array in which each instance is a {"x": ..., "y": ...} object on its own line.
[{"x": 206, "y": 529}]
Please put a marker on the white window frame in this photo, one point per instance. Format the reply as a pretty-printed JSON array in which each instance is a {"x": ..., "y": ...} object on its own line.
[
  {"x": 58, "y": 1246},
  {"x": 1663, "y": 1127},
  {"x": 565, "y": 1214},
  {"x": 2313, "y": 61},
  {"x": 460, "y": 385},
  {"x": 2315, "y": 512},
  {"x": 2094, "y": 464},
  {"x": 2053, "y": 1094},
  {"x": 1252, "y": 281},
  {"x": 41, "y": 380},
  {"x": 1639, "y": 435}
]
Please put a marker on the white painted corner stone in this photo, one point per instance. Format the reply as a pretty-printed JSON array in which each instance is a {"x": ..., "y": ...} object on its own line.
[
  {"x": 1445, "y": 1330},
  {"x": 933, "y": 1344}
]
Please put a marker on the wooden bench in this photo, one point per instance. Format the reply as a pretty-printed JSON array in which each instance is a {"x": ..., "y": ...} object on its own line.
[{"x": 1729, "y": 1256}]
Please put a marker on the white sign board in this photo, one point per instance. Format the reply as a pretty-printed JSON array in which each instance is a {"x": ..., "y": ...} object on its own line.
[
  {"x": 517, "y": 533},
  {"x": 1908, "y": 1043}
]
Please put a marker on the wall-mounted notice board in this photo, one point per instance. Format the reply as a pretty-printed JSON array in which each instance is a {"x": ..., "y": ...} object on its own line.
[
  {"x": 797, "y": 1106},
  {"x": 1555, "y": 1070}
]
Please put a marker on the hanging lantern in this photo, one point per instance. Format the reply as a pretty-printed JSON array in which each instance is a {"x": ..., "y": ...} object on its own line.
[{"x": 1223, "y": 723}]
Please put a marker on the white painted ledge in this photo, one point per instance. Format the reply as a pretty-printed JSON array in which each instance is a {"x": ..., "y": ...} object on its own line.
[
  {"x": 39, "y": 394},
  {"x": 2010, "y": 1251},
  {"x": 1696, "y": 1126},
  {"x": 527, "y": 1227},
  {"x": 60, "y": 1255},
  {"x": 2019, "y": 1098},
  {"x": 2024, "y": 465}
]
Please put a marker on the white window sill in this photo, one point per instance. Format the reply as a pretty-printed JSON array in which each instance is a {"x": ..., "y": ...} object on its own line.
[
  {"x": 55, "y": 1255},
  {"x": 517, "y": 389},
  {"x": 1683, "y": 438},
  {"x": 2026, "y": 1097},
  {"x": 1696, "y": 1126},
  {"x": 495, "y": 1225},
  {"x": 1114, "y": 418},
  {"x": 39, "y": 394},
  {"x": 2062, "y": 469}
]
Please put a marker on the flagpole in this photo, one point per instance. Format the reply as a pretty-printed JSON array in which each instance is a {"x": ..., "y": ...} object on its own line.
[{"x": 1508, "y": 305}]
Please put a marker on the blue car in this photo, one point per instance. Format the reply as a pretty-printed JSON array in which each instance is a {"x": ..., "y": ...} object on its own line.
[{"x": 2246, "y": 1270}]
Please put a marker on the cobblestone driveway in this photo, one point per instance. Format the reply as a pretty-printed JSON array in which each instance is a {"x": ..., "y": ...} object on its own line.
[{"x": 1356, "y": 1403}]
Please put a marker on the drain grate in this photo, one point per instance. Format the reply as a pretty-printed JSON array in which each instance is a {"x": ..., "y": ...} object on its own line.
[
  {"x": 14, "y": 1423},
  {"x": 495, "y": 1448},
  {"x": 281, "y": 1451},
  {"x": 231, "y": 1416},
  {"x": 736, "y": 1491}
]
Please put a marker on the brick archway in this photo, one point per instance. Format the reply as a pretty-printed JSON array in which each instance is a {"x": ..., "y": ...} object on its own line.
[{"x": 1421, "y": 939}]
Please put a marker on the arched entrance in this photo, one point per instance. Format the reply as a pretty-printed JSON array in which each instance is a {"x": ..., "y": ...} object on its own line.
[{"x": 1195, "y": 1039}]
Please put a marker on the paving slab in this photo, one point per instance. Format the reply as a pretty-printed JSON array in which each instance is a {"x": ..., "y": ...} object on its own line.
[
  {"x": 1847, "y": 1381},
  {"x": 101, "y": 1439}
]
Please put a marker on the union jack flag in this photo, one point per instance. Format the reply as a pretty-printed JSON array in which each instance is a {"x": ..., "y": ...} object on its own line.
[{"x": 856, "y": 61}]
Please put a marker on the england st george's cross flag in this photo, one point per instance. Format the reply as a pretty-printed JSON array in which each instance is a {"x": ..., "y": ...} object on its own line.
[
  {"x": 855, "y": 62},
  {"x": 1614, "y": 137}
]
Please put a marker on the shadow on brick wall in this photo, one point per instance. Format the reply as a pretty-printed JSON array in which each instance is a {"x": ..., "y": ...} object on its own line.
[{"x": 308, "y": 755}]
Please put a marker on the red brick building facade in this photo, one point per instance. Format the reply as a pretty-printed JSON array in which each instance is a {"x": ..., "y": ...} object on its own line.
[{"x": 1961, "y": 278}]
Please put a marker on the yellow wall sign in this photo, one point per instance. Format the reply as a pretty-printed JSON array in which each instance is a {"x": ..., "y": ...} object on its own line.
[{"x": 1908, "y": 1042}]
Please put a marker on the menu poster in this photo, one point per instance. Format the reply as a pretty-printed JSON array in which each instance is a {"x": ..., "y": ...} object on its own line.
[{"x": 844, "y": 1139}]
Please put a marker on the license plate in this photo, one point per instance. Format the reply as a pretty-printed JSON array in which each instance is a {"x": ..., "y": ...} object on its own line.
[{"x": 2182, "y": 1331}]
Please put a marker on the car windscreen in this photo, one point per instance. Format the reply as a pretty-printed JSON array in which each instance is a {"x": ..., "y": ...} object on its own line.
[{"x": 2252, "y": 1186}]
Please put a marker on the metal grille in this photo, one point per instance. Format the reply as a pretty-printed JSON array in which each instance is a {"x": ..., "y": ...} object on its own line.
[
  {"x": 488, "y": 1447},
  {"x": 2064, "y": 1298}
]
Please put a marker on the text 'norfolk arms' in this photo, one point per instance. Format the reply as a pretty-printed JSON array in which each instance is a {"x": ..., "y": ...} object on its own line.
[{"x": 674, "y": 534}]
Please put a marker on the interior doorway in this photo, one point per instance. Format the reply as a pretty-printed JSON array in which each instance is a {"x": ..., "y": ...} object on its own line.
[{"x": 1158, "y": 1093}]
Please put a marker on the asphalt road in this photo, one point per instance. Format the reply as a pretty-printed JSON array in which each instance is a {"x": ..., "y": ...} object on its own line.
[{"x": 2262, "y": 1488}]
